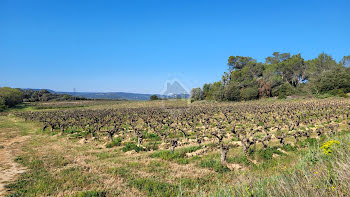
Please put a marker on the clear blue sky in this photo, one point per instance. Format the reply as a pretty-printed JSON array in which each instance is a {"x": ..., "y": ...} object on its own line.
[{"x": 136, "y": 46}]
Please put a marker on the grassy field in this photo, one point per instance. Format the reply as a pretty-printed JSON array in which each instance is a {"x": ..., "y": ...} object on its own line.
[{"x": 68, "y": 165}]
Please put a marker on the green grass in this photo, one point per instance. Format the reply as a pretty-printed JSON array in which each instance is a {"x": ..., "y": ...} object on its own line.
[
  {"x": 132, "y": 146},
  {"x": 39, "y": 181},
  {"x": 116, "y": 142},
  {"x": 179, "y": 155},
  {"x": 93, "y": 193},
  {"x": 214, "y": 165},
  {"x": 154, "y": 187},
  {"x": 267, "y": 154}
]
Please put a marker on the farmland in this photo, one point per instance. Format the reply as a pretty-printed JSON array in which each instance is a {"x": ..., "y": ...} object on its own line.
[{"x": 176, "y": 148}]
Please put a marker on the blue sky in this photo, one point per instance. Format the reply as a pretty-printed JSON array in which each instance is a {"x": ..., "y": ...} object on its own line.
[{"x": 137, "y": 46}]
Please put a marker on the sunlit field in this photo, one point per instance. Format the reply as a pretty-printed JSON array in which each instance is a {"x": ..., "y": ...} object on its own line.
[{"x": 177, "y": 148}]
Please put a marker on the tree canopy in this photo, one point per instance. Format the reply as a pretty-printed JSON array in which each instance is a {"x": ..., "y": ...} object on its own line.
[{"x": 281, "y": 75}]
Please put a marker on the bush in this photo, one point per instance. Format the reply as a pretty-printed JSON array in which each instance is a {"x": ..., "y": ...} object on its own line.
[
  {"x": 285, "y": 90},
  {"x": 152, "y": 146},
  {"x": 196, "y": 94},
  {"x": 154, "y": 97},
  {"x": 249, "y": 93},
  {"x": 267, "y": 153},
  {"x": 338, "y": 92},
  {"x": 152, "y": 136},
  {"x": 2, "y": 104},
  {"x": 288, "y": 147},
  {"x": 232, "y": 92},
  {"x": 336, "y": 79},
  {"x": 11, "y": 97},
  {"x": 116, "y": 142}
]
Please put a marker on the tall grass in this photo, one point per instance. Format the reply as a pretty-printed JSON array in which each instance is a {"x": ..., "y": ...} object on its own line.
[{"x": 315, "y": 174}]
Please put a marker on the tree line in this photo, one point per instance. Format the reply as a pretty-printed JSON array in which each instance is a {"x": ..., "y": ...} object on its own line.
[
  {"x": 281, "y": 75},
  {"x": 10, "y": 97}
]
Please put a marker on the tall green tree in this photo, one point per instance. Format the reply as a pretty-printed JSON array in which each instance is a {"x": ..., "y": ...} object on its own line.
[
  {"x": 238, "y": 62},
  {"x": 196, "y": 94},
  {"x": 11, "y": 96},
  {"x": 293, "y": 70}
]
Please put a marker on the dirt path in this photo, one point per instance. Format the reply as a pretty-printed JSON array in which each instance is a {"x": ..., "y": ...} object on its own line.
[{"x": 9, "y": 149}]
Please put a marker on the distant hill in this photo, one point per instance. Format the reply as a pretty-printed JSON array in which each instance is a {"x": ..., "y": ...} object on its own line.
[{"x": 116, "y": 95}]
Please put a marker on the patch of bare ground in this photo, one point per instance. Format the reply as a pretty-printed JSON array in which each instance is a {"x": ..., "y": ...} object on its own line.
[
  {"x": 187, "y": 171},
  {"x": 9, "y": 149}
]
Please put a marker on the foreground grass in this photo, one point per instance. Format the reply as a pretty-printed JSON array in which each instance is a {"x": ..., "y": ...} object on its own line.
[{"x": 315, "y": 174}]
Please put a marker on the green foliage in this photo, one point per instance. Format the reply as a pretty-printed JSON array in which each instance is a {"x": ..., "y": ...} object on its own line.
[
  {"x": 336, "y": 82},
  {"x": 215, "y": 165},
  {"x": 45, "y": 95},
  {"x": 216, "y": 91},
  {"x": 288, "y": 147},
  {"x": 267, "y": 154},
  {"x": 2, "y": 104},
  {"x": 131, "y": 146},
  {"x": 283, "y": 75},
  {"x": 10, "y": 97},
  {"x": 249, "y": 93},
  {"x": 152, "y": 146},
  {"x": 238, "y": 62},
  {"x": 196, "y": 94},
  {"x": 38, "y": 180},
  {"x": 308, "y": 142},
  {"x": 241, "y": 159},
  {"x": 154, "y": 187},
  {"x": 285, "y": 90},
  {"x": 152, "y": 136},
  {"x": 116, "y": 142},
  {"x": 154, "y": 97},
  {"x": 339, "y": 92},
  {"x": 232, "y": 92},
  {"x": 178, "y": 155}
]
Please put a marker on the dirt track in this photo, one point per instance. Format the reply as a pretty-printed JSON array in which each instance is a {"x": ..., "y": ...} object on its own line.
[{"x": 9, "y": 149}]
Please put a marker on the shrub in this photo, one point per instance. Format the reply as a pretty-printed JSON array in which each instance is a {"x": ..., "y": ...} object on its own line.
[
  {"x": 154, "y": 97},
  {"x": 338, "y": 92},
  {"x": 327, "y": 146},
  {"x": 2, "y": 104},
  {"x": 11, "y": 97},
  {"x": 285, "y": 90},
  {"x": 116, "y": 142},
  {"x": 267, "y": 153},
  {"x": 152, "y": 136},
  {"x": 288, "y": 147},
  {"x": 232, "y": 92},
  {"x": 249, "y": 93},
  {"x": 152, "y": 146},
  {"x": 335, "y": 79},
  {"x": 196, "y": 94}
]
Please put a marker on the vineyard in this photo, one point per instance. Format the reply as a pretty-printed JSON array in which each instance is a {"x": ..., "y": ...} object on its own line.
[{"x": 171, "y": 148}]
